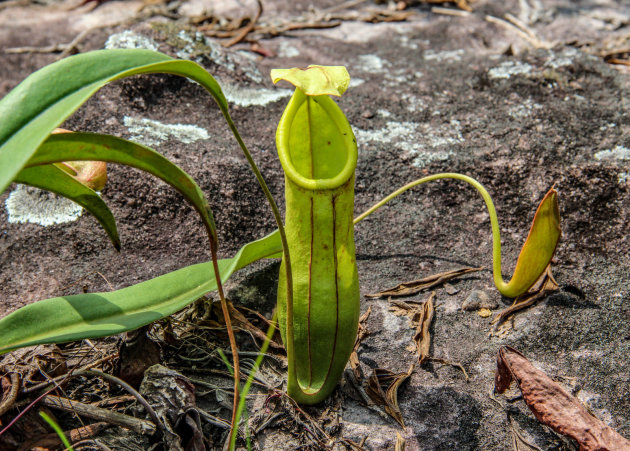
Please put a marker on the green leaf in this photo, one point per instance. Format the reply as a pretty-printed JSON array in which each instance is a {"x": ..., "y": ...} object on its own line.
[
  {"x": 51, "y": 178},
  {"x": 47, "y": 97},
  {"x": 539, "y": 247},
  {"x": 94, "y": 315},
  {"x": 94, "y": 146}
]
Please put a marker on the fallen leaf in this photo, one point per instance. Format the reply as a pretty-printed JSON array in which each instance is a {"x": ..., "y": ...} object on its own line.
[
  {"x": 400, "y": 442},
  {"x": 422, "y": 338},
  {"x": 553, "y": 406},
  {"x": 382, "y": 388},
  {"x": 354, "y": 357},
  {"x": 137, "y": 352},
  {"x": 416, "y": 286},
  {"x": 543, "y": 286}
]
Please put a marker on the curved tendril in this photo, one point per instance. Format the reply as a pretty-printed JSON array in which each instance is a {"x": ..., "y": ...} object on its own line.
[{"x": 496, "y": 234}]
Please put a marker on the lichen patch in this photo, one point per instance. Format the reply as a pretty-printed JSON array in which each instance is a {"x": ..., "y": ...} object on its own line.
[
  {"x": 151, "y": 132},
  {"x": 33, "y": 205}
]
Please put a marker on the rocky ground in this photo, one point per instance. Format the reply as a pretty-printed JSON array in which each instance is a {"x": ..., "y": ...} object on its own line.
[{"x": 520, "y": 108}]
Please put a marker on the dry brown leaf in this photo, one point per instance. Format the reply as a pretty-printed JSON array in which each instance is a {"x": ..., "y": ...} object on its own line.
[
  {"x": 543, "y": 286},
  {"x": 382, "y": 388},
  {"x": 553, "y": 406},
  {"x": 354, "y": 358},
  {"x": 400, "y": 442},
  {"x": 422, "y": 337},
  {"x": 416, "y": 286}
]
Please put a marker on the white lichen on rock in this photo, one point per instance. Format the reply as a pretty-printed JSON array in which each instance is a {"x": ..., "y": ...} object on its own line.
[
  {"x": 286, "y": 50},
  {"x": 444, "y": 56},
  {"x": 243, "y": 96},
  {"x": 371, "y": 63},
  {"x": 618, "y": 153},
  {"x": 151, "y": 132},
  {"x": 130, "y": 40},
  {"x": 33, "y": 205},
  {"x": 524, "y": 109},
  {"x": 421, "y": 141},
  {"x": 508, "y": 68}
]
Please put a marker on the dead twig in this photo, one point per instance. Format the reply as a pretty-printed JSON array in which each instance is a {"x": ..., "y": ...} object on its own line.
[
  {"x": 247, "y": 29},
  {"x": 524, "y": 33},
  {"x": 96, "y": 413},
  {"x": 49, "y": 382},
  {"x": 132, "y": 392},
  {"x": 450, "y": 12},
  {"x": 10, "y": 399},
  {"x": 448, "y": 362}
]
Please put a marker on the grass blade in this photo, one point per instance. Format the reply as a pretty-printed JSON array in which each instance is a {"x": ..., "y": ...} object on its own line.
[
  {"x": 51, "y": 178},
  {"x": 93, "y": 315}
]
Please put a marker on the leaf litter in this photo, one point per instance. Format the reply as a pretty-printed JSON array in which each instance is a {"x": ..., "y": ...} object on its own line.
[
  {"x": 426, "y": 283},
  {"x": 553, "y": 406}
]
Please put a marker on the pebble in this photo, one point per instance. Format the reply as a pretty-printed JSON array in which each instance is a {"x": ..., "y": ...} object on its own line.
[{"x": 479, "y": 299}]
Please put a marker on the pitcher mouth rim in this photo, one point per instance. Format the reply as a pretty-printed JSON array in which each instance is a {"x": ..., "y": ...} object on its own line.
[{"x": 282, "y": 144}]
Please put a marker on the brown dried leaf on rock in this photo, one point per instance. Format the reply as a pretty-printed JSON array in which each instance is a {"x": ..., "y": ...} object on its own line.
[
  {"x": 544, "y": 285},
  {"x": 52, "y": 440},
  {"x": 553, "y": 406},
  {"x": 137, "y": 353},
  {"x": 382, "y": 388},
  {"x": 172, "y": 396},
  {"x": 426, "y": 283},
  {"x": 400, "y": 442},
  {"x": 422, "y": 337},
  {"x": 362, "y": 332}
]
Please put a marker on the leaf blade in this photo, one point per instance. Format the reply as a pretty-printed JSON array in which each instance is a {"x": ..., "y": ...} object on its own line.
[
  {"x": 47, "y": 97},
  {"x": 94, "y": 315},
  {"x": 51, "y": 178},
  {"x": 94, "y": 146}
]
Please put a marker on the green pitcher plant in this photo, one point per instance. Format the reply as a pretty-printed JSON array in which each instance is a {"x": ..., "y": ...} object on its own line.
[
  {"x": 318, "y": 153},
  {"x": 318, "y": 292}
]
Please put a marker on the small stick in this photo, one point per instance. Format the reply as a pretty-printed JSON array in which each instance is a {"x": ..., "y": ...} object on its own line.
[
  {"x": 450, "y": 12},
  {"x": 239, "y": 37},
  {"x": 59, "y": 378},
  {"x": 135, "y": 424},
  {"x": 535, "y": 42},
  {"x": 131, "y": 391},
  {"x": 13, "y": 393}
]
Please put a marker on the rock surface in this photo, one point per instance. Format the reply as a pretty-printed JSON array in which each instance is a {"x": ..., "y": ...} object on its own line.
[{"x": 435, "y": 93}]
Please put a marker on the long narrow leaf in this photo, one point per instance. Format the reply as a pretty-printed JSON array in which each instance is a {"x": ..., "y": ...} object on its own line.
[
  {"x": 93, "y": 315},
  {"x": 51, "y": 178},
  {"x": 47, "y": 97},
  {"x": 93, "y": 146}
]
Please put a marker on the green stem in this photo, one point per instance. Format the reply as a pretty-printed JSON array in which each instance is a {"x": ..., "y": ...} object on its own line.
[
  {"x": 496, "y": 234},
  {"x": 283, "y": 239}
]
